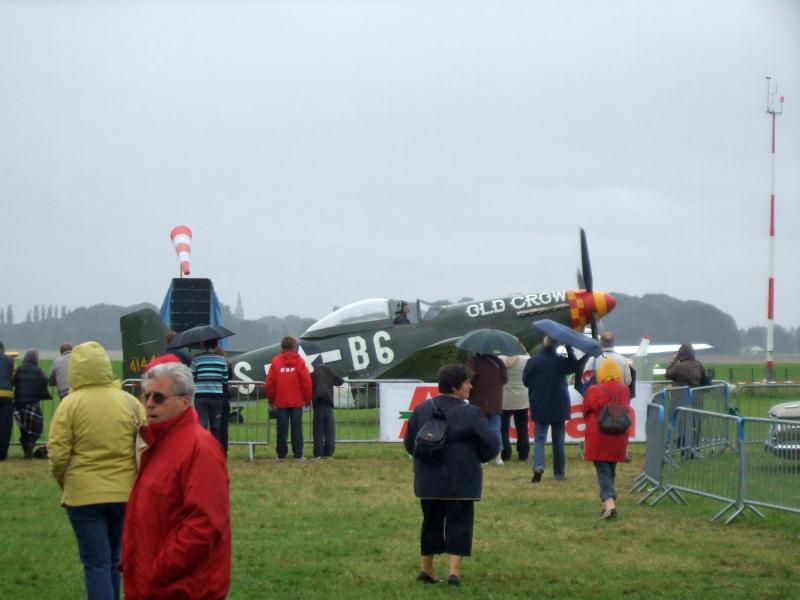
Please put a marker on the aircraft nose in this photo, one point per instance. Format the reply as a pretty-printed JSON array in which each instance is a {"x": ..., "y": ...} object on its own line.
[
  {"x": 586, "y": 307},
  {"x": 604, "y": 304}
]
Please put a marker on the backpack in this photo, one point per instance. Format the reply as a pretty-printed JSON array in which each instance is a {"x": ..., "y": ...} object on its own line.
[
  {"x": 614, "y": 419},
  {"x": 430, "y": 441}
]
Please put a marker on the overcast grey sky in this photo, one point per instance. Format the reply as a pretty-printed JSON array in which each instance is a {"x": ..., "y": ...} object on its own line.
[{"x": 327, "y": 152}]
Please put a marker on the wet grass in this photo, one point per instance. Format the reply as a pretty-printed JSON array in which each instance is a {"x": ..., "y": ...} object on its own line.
[{"x": 348, "y": 528}]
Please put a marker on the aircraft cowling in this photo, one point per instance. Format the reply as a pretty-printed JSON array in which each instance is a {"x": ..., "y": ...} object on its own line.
[{"x": 585, "y": 307}]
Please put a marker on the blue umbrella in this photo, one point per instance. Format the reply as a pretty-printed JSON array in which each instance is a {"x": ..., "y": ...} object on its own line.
[
  {"x": 490, "y": 341},
  {"x": 568, "y": 337}
]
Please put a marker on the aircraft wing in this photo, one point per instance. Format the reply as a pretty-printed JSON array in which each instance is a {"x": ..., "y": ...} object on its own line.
[
  {"x": 645, "y": 349},
  {"x": 425, "y": 362}
]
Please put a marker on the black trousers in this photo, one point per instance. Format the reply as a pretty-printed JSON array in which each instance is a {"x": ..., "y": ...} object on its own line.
[
  {"x": 324, "y": 431},
  {"x": 521, "y": 424},
  {"x": 6, "y": 425},
  {"x": 447, "y": 527}
]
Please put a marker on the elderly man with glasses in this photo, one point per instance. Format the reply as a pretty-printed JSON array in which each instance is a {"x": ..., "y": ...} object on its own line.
[{"x": 177, "y": 536}]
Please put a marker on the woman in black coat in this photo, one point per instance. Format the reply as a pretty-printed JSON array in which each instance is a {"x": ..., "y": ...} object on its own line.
[
  {"x": 30, "y": 386},
  {"x": 448, "y": 487}
]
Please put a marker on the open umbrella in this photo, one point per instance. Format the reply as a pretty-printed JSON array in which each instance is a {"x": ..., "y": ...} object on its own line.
[
  {"x": 569, "y": 337},
  {"x": 199, "y": 334},
  {"x": 490, "y": 341}
]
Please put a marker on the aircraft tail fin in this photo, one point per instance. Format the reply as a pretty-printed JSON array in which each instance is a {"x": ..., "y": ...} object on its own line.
[
  {"x": 644, "y": 346},
  {"x": 143, "y": 334}
]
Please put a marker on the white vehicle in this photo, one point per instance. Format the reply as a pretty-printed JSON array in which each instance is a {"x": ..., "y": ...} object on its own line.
[{"x": 784, "y": 439}]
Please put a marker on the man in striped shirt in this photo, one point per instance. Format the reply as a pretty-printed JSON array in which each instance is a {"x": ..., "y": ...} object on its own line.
[{"x": 210, "y": 373}]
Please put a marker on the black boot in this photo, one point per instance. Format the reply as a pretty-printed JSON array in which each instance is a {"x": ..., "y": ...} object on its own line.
[{"x": 27, "y": 449}]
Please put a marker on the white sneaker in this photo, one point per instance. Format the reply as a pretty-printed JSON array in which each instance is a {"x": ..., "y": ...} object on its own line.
[{"x": 498, "y": 461}]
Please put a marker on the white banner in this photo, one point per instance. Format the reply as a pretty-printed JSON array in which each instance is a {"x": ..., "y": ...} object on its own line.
[{"x": 398, "y": 401}]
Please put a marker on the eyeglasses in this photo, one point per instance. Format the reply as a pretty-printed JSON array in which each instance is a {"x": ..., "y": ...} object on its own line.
[{"x": 158, "y": 397}]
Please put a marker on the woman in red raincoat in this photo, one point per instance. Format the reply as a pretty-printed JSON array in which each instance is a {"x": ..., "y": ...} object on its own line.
[{"x": 603, "y": 449}]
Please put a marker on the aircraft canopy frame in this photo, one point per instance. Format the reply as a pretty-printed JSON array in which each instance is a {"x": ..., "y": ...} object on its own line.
[{"x": 373, "y": 309}]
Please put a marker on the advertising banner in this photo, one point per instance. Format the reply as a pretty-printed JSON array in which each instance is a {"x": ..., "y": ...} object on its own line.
[{"x": 398, "y": 400}]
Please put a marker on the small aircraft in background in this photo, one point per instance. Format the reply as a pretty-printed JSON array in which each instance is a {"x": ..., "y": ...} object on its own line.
[
  {"x": 640, "y": 356},
  {"x": 363, "y": 341}
]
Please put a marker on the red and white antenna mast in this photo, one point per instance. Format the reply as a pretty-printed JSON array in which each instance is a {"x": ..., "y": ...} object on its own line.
[{"x": 774, "y": 108}]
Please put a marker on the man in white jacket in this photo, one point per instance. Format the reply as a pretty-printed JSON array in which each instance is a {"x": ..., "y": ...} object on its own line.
[{"x": 607, "y": 341}]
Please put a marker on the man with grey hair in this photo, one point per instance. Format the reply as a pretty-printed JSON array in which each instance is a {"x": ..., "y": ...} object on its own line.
[
  {"x": 607, "y": 342},
  {"x": 177, "y": 536}
]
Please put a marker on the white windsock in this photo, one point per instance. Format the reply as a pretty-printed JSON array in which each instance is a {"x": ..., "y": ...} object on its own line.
[{"x": 182, "y": 240}]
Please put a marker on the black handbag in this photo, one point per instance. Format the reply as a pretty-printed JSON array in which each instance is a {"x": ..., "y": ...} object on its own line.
[
  {"x": 614, "y": 419},
  {"x": 430, "y": 441}
]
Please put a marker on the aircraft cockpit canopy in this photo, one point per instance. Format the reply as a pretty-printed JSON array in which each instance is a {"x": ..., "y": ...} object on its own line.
[{"x": 374, "y": 309}]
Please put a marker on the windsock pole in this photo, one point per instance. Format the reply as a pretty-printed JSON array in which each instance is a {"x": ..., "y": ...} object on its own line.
[
  {"x": 773, "y": 109},
  {"x": 181, "y": 237}
]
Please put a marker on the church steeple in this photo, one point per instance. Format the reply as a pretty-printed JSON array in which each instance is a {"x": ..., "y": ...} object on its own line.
[{"x": 239, "y": 311}]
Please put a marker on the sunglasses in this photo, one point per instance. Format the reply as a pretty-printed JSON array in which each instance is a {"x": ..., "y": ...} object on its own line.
[{"x": 158, "y": 397}]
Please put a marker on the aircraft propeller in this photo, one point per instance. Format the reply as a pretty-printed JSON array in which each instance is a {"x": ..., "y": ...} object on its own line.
[{"x": 585, "y": 275}]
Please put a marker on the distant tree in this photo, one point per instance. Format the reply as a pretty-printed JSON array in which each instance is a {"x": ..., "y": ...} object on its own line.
[
  {"x": 35, "y": 312},
  {"x": 49, "y": 312},
  {"x": 63, "y": 311},
  {"x": 754, "y": 337},
  {"x": 2, "y": 317},
  {"x": 226, "y": 311},
  {"x": 28, "y": 317},
  {"x": 9, "y": 315}
]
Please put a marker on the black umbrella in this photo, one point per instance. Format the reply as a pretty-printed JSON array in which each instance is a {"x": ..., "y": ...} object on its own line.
[
  {"x": 199, "y": 334},
  {"x": 490, "y": 341}
]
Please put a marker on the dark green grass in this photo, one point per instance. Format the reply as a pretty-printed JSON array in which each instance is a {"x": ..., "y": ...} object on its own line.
[{"x": 348, "y": 528}]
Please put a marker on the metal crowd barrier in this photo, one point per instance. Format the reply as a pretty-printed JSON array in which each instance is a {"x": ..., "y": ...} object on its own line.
[
  {"x": 253, "y": 423},
  {"x": 655, "y": 429},
  {"x": 771, "y": 463},
  {"x": 755, "y": 399},
  {"x": 744, "y": 462},
  {"x": 704, "y": 452}
]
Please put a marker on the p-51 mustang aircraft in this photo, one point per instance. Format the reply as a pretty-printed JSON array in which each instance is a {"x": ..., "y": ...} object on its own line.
[{"x": 362, "y": 340}]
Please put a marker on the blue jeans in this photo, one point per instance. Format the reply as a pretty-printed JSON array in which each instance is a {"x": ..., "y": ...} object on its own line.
[
  {"x": 606, "y": 473},
  {"x": 295, "y": 415},
  {"x": 98, "y": 529},
  {"x": 210, "y": 410},
  {"x": 494, "y": 423},
  {"x": 539, "y": 439}
]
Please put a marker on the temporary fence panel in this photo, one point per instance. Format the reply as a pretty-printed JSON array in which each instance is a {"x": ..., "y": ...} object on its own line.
[
  {"x": 704, "y": 451},
  {"x": 755, "y": 399},
  {"x": 771, "y": 463},
  {"x": 650, "y": 479}
]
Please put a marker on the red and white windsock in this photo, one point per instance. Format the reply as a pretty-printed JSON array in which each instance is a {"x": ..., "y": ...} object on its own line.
[{"x": 182, "y": 240}]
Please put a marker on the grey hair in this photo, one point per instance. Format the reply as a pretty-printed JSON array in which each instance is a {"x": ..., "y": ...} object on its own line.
[{"x": 180, "y": 375}]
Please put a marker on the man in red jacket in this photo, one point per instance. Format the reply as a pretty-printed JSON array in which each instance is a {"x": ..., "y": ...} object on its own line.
[
  {"x": 288, "y": 387},
  {"x": 177, "y": 537}
]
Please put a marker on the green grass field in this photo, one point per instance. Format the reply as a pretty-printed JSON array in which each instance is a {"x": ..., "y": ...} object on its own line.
[{"x": 348, "y": 528}]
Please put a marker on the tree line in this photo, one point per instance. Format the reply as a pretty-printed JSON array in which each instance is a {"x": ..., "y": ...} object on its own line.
[{"x": 664, "y": 318}]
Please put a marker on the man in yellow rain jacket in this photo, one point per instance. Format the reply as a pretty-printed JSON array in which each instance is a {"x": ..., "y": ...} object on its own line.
[{"x": 91, "y": 450}]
